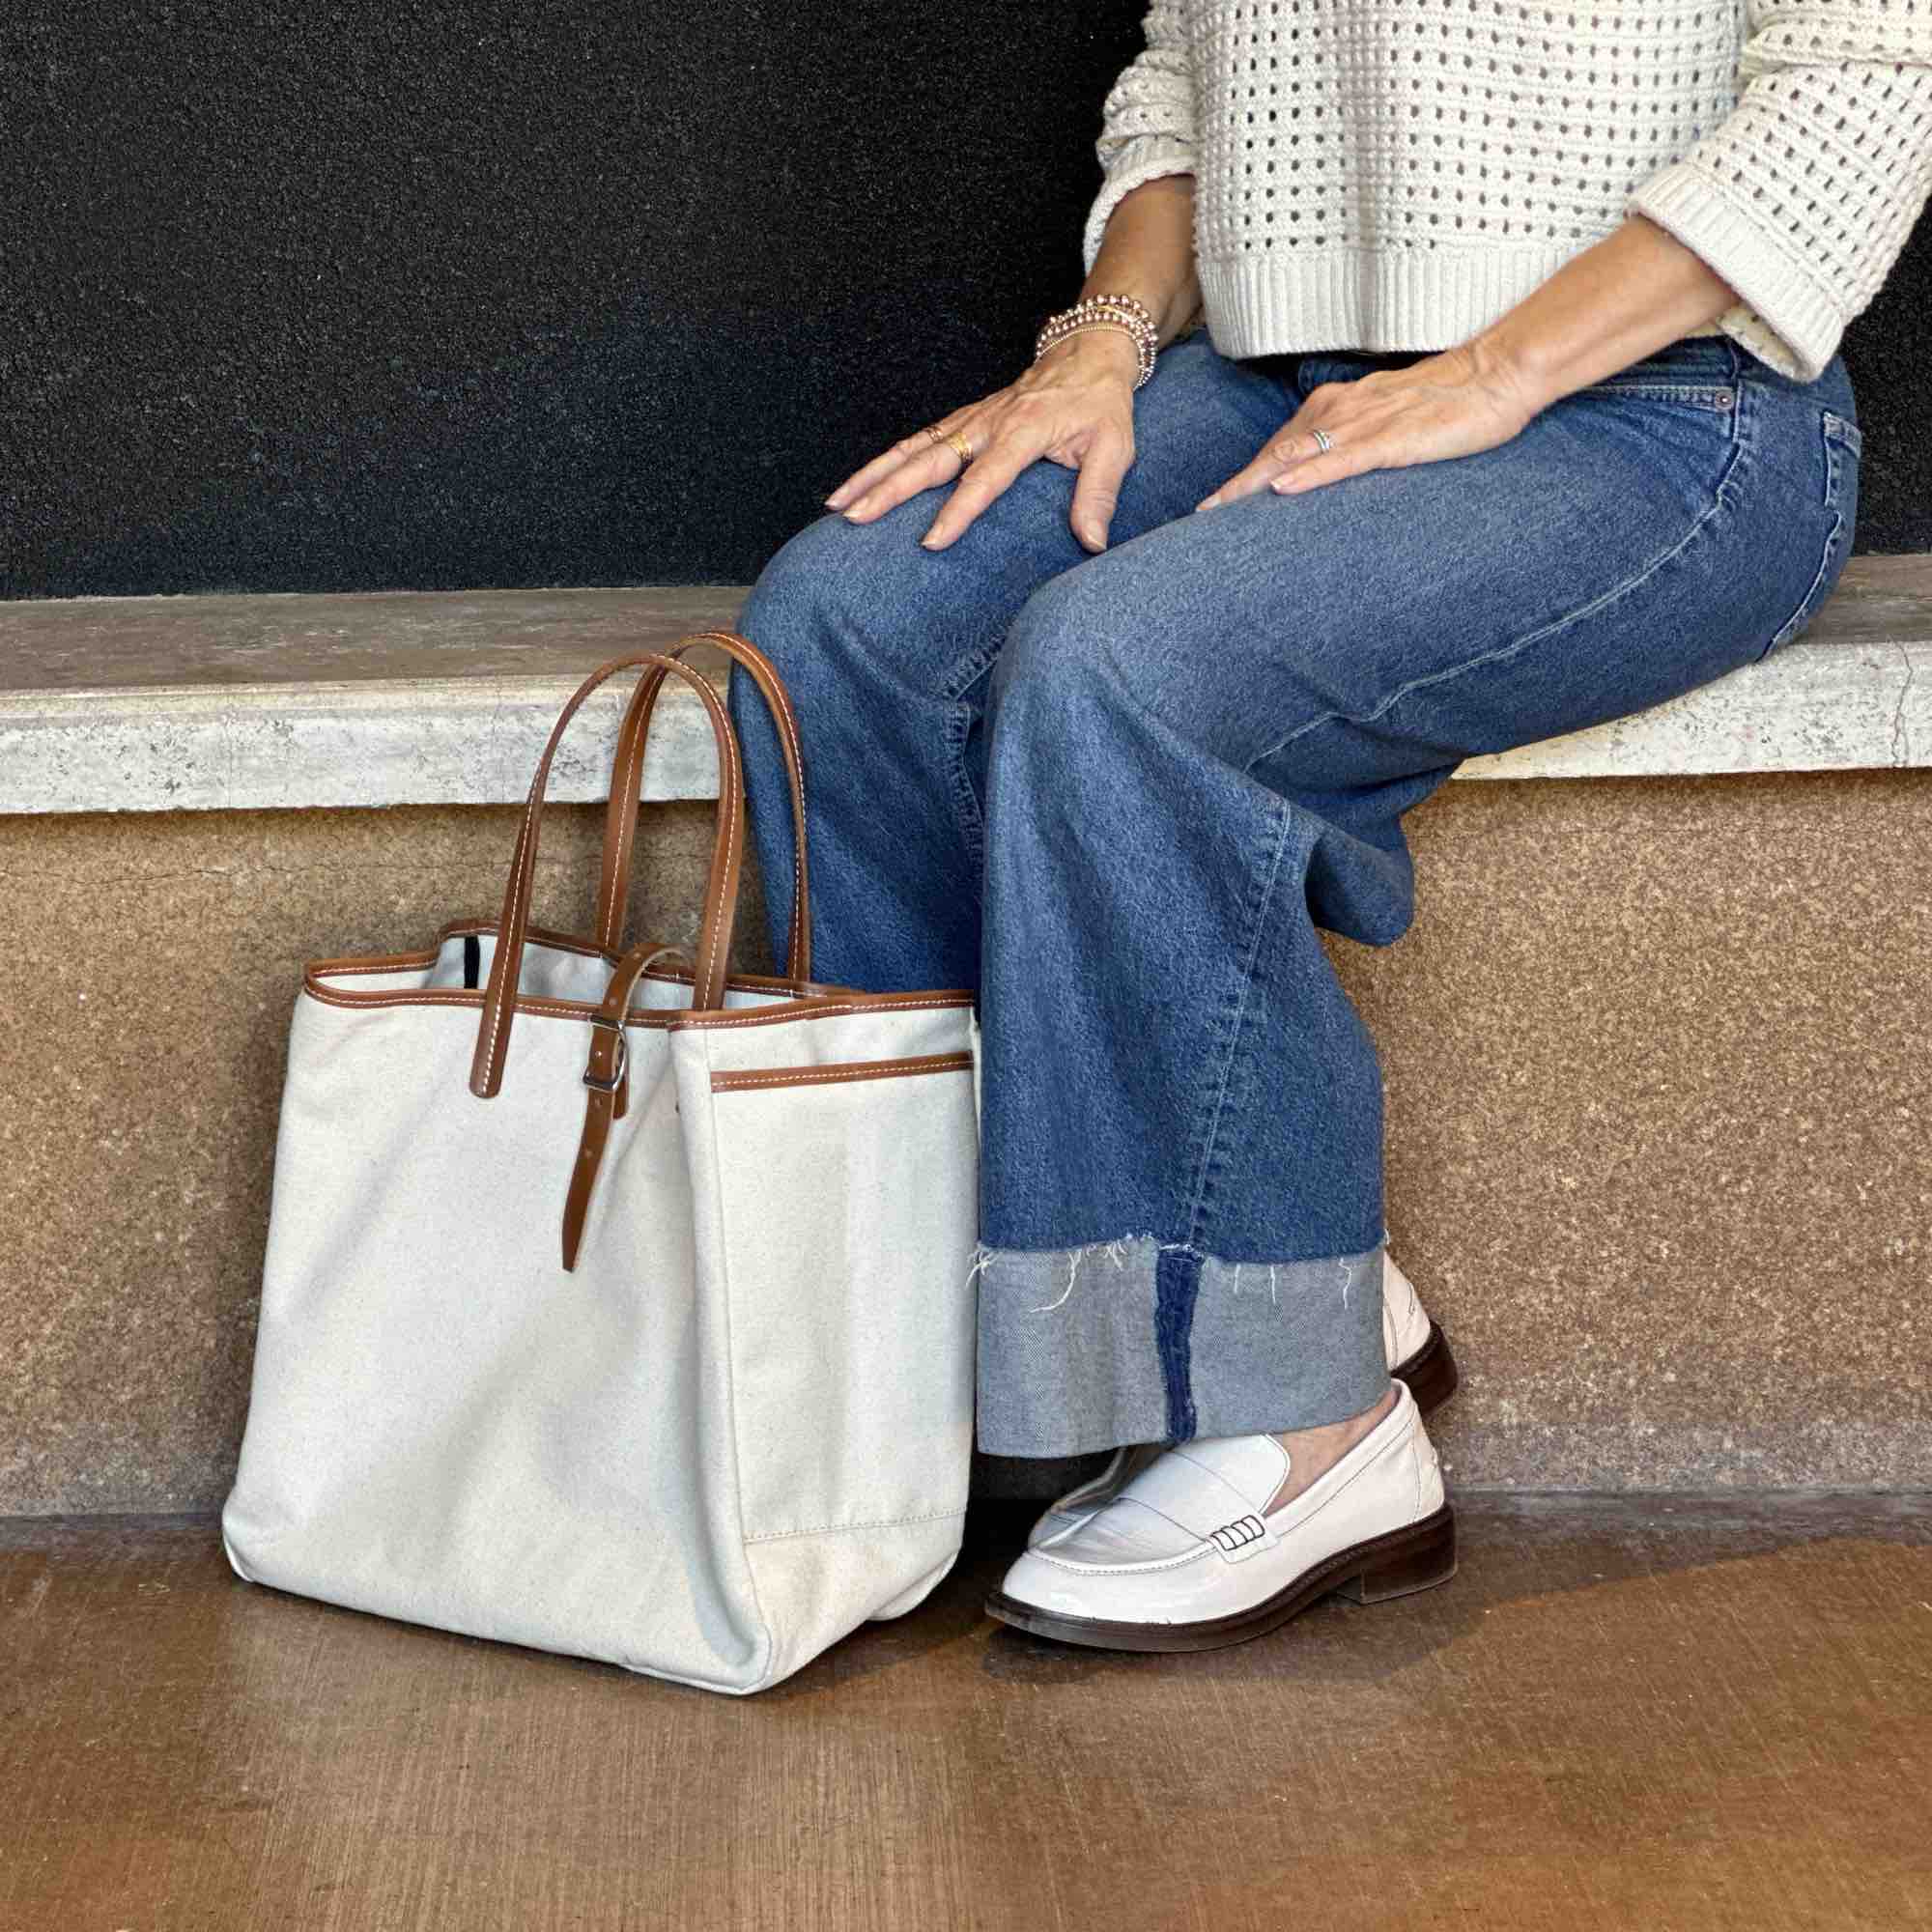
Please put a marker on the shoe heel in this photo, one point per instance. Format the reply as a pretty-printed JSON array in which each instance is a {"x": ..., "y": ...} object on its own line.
[
  {"x": 1432, "y": 1378},
  {"x": 1415, "y": 1559}
]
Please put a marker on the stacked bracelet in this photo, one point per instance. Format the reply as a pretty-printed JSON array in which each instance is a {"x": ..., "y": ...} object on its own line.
[{"x": 1124, "y": 312}]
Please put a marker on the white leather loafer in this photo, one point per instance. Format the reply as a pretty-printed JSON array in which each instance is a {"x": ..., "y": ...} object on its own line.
[
  {"x": 1188, "y": 1558},
  {"x": 1418, "y": 1354}
]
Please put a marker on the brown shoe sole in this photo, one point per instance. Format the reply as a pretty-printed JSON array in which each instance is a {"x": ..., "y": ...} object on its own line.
[
  {"x": 1430, "y": 1372},
  {"x": 1415, "y": 1557}
]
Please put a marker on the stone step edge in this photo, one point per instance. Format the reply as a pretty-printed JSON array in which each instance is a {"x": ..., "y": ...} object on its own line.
[{"x": 1854, "y": 693}]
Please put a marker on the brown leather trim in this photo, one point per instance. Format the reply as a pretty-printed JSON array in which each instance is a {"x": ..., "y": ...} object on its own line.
[
  {"x": 544, "y": 935},
  {"x": 454, "y": 996},
  {"x": 376, "y": 962},
  {"x": 575, "y": 941},
  {"x": 810, "y": 1007},
  {"x": 842, "y": 1073},
  {"x": 767, "y": 982},
  {"x": 806, "y": 1010}
]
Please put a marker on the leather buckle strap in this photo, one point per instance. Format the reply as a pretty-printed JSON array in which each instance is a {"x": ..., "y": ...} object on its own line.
[
  {"x": 607, "y": 1100},
  {"x": 621, "y": 1050}
]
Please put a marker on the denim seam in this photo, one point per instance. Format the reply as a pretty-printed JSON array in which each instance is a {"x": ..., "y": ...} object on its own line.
[
  {"x": 1553, "y": 628},
  {"x": 1176, "y": 1287},
  {"x": 968, "y": 671},
  {"x": 1705, "y": 395},
  {"x": 1258, "y": 923},
  {"x": 954, "y": 733},
  {"x": 1840, "y": 448},
  {"x": 1800, "y": 618},
  {"x": 1844, "y": 430},
  {"x": 1177, "y": 1267}
]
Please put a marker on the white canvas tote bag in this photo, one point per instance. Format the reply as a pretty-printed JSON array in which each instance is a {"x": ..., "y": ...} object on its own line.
[{"x": 610, "y": 1306}]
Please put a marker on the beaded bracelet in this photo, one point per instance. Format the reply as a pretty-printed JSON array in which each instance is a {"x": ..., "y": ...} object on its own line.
[{"x": 1124, "y": 312}]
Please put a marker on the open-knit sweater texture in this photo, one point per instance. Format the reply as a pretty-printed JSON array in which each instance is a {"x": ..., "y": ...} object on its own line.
[{"x": 1397, "y": 174}]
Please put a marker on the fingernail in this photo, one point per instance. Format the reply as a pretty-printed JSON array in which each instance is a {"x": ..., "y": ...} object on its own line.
[
  {"x": 1207, "y": 502},
  {"x": 928, "y": 541},
  {"x": 1096, "y": 537},
  {"x": 833, "y": 501}
]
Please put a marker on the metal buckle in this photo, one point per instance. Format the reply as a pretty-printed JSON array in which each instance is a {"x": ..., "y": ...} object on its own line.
[{"x": 616, "y": 1079}]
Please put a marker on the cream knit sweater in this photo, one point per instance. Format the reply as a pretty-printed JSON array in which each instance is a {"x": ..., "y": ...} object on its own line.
[{"x": 1396, "y": 174}]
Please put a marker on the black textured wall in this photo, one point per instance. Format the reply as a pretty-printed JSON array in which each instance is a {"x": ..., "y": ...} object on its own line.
[{"x": 300, "y": 295}]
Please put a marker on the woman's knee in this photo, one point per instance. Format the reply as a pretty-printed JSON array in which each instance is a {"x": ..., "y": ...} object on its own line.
[
  {"x": 842, "y": 605},
  {"x": 1057, "y": 644},
  {"x": 811, "y": 593}
]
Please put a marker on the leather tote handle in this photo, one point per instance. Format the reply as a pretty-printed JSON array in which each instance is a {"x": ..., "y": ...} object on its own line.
[
  {"x": 721, "y": 893},
  {"x": 622, "y": 816}
]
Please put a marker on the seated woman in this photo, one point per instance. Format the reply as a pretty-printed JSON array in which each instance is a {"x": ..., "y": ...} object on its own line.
[{"x": 1436, "y": 387}]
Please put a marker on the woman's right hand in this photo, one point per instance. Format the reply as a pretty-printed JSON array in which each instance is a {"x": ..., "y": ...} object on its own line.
[{"x": 1073, "y": 407}]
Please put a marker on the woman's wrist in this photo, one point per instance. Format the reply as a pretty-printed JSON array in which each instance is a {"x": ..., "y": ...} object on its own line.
[
  {"x": 1105, "y": 349},
  {"x": 1109, "y": 311}
]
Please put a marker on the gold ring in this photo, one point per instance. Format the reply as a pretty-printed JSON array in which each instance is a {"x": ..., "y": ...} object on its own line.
[
  {"x": 937, "y": 434},
  {"x": 961, "y": 446}
]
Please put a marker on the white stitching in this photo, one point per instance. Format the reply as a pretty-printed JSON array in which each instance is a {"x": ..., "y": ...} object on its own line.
[
  {"x": 727, "y": 743},
  {"x": 400, "y": 962},
  {"x": 774, "y": 1016},
  {"x": 510, "y": 960},
  {"x": 847, "y": 1070},
  {"x": 450, "y": 996},
  {"x": 838, "y": 1529},
  {"x": 609, "y": 916}
]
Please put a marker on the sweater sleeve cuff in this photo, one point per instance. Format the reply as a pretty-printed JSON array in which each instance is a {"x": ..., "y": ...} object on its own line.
[
  {"x": 1142, "y": 159},
  {"x": 1783, "y": 317}
]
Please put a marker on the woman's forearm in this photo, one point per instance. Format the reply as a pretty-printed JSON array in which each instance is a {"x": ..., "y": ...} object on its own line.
[
  {"x": 1620, "y": 299},
  {"x": 1149, "y": 251}
]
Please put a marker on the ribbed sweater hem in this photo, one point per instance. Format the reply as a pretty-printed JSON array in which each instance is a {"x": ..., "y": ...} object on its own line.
[{"x": 1269, "y": 303}]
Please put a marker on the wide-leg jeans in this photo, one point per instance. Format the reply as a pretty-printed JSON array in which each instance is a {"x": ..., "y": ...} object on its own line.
[{"x": 1118, "y": 793}]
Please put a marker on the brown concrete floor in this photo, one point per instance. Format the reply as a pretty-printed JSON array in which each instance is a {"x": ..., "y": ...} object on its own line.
[{"x": 1647, "y": 1712}]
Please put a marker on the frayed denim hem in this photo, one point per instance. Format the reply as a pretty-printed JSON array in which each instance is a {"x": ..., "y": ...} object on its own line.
[{"x": 1137, "y": 1340}]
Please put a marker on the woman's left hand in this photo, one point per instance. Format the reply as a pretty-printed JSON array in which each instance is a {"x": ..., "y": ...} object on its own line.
[{"x": 1454, "y": 404}]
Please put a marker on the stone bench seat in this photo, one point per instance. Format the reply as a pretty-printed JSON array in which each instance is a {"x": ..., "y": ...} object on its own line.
[{"x": 433, "y": 698}]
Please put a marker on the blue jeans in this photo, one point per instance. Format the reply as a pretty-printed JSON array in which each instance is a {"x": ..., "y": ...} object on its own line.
[{"x": 1119, "y": 794}]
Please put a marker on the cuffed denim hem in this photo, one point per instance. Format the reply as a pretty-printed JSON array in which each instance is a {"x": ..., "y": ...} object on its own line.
[{"x": 1138, "y": 1340}]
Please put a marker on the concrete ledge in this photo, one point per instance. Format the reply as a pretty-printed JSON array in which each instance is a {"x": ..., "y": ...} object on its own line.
[
  {"x": 390, "y": 698},
  {"x": 435, "y": 697}
]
